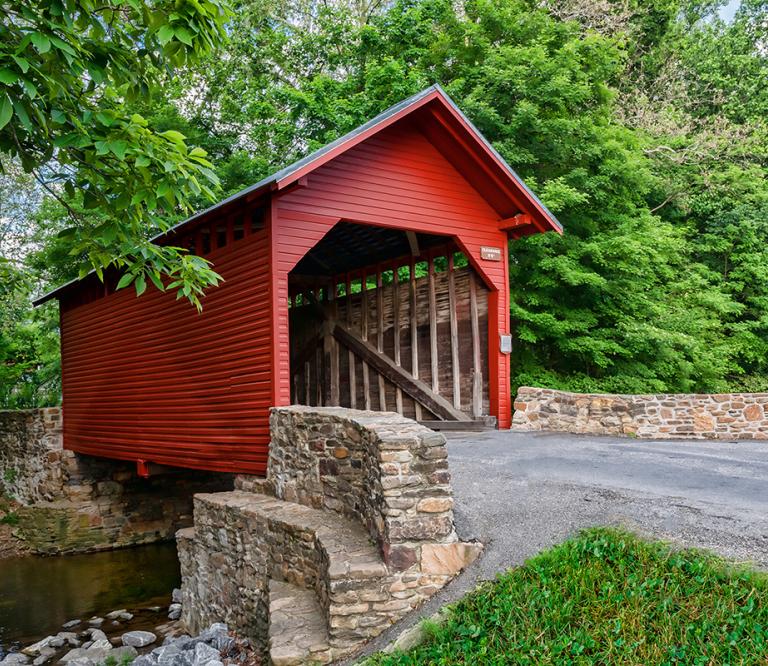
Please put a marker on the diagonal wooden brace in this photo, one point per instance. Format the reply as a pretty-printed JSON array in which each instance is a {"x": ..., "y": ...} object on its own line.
[{"x": 400, "y": 377}]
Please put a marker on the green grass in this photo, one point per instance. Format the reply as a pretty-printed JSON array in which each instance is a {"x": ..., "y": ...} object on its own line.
[{"x": 606, "y": 597}]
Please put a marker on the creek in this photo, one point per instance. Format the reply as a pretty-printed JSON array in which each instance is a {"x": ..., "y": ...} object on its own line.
[{"x": 39, "y": 594}]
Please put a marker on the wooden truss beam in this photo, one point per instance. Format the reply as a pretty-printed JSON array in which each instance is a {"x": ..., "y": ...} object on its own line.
[{"x": 400, "y": 377}]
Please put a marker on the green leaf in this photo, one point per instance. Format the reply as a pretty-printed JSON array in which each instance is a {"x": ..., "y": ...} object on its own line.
[
  {"x": 41, "y": 42},
  {"x": 118, "y": 148},
  {"x": 23, "y": 63},
  {"x": 105, "y": 119},
  {"x": 173, "y": 135},
  {"x": 8, "y": 76},
  {"x": 125, "y": 280},
  {"x": 30, "y": 89},
  {"x": 156, "y": 281},
  {"x": 21, "y": 112},
  {"x": 183, "y": 35},
  {"x": 165, "y": 34},
  {"x": 141, "y": 285},
  {"x": 6, "y": 111},
  {"x": 63, "y": 46},
  {"x": 143, "y": 161}
]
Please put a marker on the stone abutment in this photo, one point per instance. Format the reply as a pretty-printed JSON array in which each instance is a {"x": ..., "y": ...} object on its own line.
[
  {"x": 63, "y": 502},
  {"x": 351, "y": 530}
]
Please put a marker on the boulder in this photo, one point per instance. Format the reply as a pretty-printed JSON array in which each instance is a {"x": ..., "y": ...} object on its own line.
[
  {"x": 138, "y": 638},
  {"x": 174, "y": 611},
  {"x": 204, "y": 655},
  {"x": 85, "y": 656},
  {"x": 144, "y": 660},
  {"x": 69, "y": 637},
  {"x": 35, "y": 649},
  {"x": 123, "y": 653}
]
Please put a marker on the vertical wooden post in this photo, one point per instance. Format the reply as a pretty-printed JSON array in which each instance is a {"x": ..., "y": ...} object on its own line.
[
  {"x": 433, "y": 324},
  {"x": 477, "y": 372},
  {"x": 380, "y": 335},
  {"x": 332, "y": 348},
  {"x": 454, "y": 334},
  {"x": 396, "y": 332},
  {"x": 307, "y": 383},
  {"x": 352, "y": 369},
  {"x": 319, "y": 376},
  {"x": 364, "y": 334},
  {"x": 414, "y": 329}
]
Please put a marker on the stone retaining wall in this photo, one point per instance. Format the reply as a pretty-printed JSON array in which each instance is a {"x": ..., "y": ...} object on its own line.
[
  {"x": 356, "y": 507},
  {"x": 384, "y": 470},
  {"x": 65, "y": 502},
  {"x": 666, "y": 416}
]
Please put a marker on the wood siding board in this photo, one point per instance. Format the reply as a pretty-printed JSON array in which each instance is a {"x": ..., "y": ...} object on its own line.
[{"x": 134, "y": 387}]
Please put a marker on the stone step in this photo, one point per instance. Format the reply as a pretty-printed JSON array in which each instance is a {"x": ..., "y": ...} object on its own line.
[
  {"x": 316, "y": 550},
  {"x": 351, "y": 554},
  {"x": 298, "y": 633}
]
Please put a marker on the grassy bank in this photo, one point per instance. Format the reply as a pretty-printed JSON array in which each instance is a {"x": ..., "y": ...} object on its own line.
[{"x": 606, "y": 597}]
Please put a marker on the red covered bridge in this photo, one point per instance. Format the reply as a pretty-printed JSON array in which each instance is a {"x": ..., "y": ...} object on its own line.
[{"x": 372, "y": 274}]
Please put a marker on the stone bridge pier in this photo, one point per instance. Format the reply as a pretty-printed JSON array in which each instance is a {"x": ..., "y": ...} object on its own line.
[{"x": 351, "y": 529}]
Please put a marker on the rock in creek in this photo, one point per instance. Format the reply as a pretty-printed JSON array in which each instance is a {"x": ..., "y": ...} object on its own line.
[
  {"x": 45, "y": 654},
  {"x": 187, "y": 651},
  {"x": 94, "y": 656},
  {"x": 204, "y": 654},
  {"x": 14, "y": 659},
  {"x": 138, "y": 638},
  {"x": 174, "y": 611},
  {"x": 70, "y": 624},
  {"x": 35, "y": 649},
  {"x": 122, "y": 615}
]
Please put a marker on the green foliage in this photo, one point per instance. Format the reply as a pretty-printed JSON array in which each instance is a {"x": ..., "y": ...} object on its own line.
[
  {"x": 69, "y": 70},
  {"x": 29, "y": 345},
  {"x": 606, "y": 597},
  {"x": 640, "y": 124},
  {"x": 624, "y": 301}
]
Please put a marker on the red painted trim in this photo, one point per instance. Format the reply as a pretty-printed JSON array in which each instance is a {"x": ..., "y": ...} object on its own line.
[
  {"x": 542, "y": 215},
  {"x": 520, "y": 220}
]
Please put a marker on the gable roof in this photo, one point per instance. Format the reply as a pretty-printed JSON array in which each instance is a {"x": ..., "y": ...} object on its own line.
[{"x": 450, "y": 120}]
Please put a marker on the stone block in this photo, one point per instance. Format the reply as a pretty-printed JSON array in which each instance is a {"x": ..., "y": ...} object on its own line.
[
  {"x": 399, "y": 558},
  {"x": 448, "y": 559},
  {"x": 435, "y": 504}
]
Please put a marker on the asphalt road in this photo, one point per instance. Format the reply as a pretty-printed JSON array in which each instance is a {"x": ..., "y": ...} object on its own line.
[{"x": 520, "y": 493}]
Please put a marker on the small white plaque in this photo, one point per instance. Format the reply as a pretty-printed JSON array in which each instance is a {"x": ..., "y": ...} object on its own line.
[
  {"x": 490, "y": 253},
  {"x": 505, "y": 343}
]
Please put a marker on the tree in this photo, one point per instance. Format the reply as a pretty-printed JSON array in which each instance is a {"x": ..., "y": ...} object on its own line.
[{"x": 69, "y": 70}]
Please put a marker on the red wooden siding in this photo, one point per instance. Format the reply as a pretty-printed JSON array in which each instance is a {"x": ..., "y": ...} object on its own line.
[
  {"x": 152, "y": 379},
  {"x": 398, "y": 179}
]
